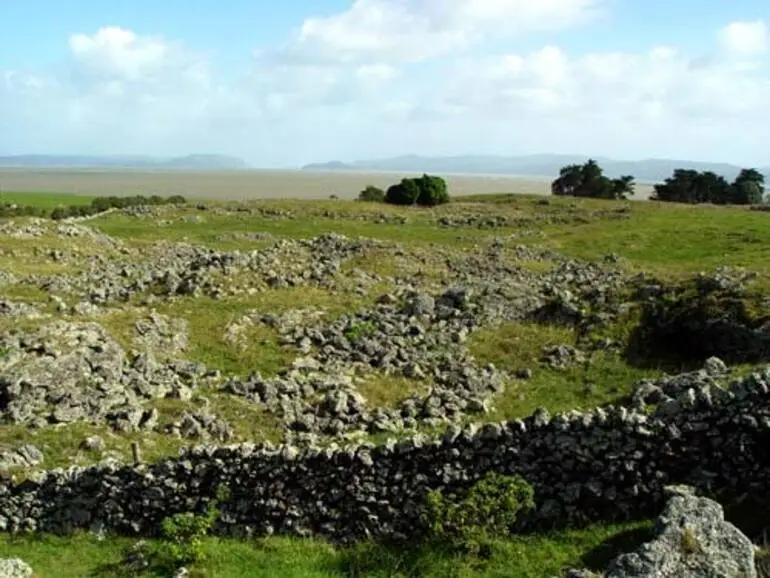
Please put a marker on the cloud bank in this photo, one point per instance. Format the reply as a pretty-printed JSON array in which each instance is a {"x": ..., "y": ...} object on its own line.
[{"x": 390, "y": 77}]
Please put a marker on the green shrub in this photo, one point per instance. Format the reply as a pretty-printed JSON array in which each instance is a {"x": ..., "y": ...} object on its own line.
[
  {"x": 183, "y": 535},
  {"x": 433, "y": 191},
  {"x": 372, "y": 194},
  {"x": 359, "y": 330},
  {"x": 59, "y": 213},
  {"x": 14, "y": 210},
  {"x": 176, "y": 200},
  {"x": 101, "y": 204},
  {"x": 486, "y": 512}
]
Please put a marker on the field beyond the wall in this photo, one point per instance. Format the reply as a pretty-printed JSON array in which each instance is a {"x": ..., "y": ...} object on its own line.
[{"x": 234, "y": 318}]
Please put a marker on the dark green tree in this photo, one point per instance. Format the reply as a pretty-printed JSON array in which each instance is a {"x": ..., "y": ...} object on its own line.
[
  {"x": 690, "y": 186},
  {"x": 404, "y": 193},
  {"x": 748, "y": 188},
  {"x": 588, "y": 180},
  {"x": 568, "y": 182},
  {"x": 433, "y": 191}
]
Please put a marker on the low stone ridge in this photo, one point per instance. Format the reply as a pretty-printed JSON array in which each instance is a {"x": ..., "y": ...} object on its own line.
[
  {"x": 10, "y": 308},
  {"x": 606, "y": 464},
  {"x": 187, "y": 270}
]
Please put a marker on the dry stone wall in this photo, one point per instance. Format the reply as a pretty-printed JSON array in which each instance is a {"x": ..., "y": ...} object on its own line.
[{"x": 606, "y": 464}]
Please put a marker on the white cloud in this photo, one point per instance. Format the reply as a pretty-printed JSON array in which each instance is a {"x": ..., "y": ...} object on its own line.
[
  {"x": 125, "y": 92},
  {"x": 745, "y": 38},
  {"x": 415, "y": 30}
]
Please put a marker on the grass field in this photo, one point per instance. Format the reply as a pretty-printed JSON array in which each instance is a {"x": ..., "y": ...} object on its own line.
[
  {"x": 668, "y": 241},
  {"x": 526, "y": 557},
  {"x": 43, "y": 200}
]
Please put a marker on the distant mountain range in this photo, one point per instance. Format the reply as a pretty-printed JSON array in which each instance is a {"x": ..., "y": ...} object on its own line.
[
  {"x": 189, "y": 162},
  {"x": 544, "y": 165}
]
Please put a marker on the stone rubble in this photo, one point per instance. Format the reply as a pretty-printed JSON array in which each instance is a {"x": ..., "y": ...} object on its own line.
[{"x": 69, "y": 371}]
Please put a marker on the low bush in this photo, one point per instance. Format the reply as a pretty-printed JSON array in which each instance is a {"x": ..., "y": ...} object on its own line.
[
  {"x": 183, "y": 536},
  {"x": 486, "y": 513},
  {"x": 372, "y": 194}
]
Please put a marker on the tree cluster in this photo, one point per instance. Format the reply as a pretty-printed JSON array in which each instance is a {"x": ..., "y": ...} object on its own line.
[
  {"x": 425, "y": 191},
  {"x": 689, "y": 186},
  {"x": 588, "y": 180}
]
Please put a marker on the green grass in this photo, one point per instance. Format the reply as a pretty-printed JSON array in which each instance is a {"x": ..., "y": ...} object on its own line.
[
  {"x": 44, "y": 200},
  {"x": 82, "y": 555},
  {"x": 388, "y": 390},
  {"x": 515, "y": 346},
  {"x": 61, "y": 445}
]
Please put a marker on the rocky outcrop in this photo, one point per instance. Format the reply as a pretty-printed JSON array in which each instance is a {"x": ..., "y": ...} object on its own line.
[{"x": 693, "y": 541}]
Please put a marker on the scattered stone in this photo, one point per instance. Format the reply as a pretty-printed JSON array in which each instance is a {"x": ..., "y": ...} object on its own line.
[
  {"x": 12, "y": 309},
  {"x": 160, "y": 333},
  {"x": 202, "y": 425},
  {"x": 93, "y": 443},
  {"x": 24, "y": 456},
  {"x": 562, "y": 356},
  {"x": 14, "y": 568}
]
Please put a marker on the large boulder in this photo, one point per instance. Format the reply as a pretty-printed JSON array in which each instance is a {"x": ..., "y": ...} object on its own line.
[{"x": 693, "y": 541}]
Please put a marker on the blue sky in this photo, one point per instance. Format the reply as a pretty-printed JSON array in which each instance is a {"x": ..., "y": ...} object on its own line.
[{"x": 285, "y": 83}]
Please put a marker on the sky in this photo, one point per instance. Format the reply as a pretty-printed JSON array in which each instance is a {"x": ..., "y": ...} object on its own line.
[{"x": 281, "y": 84}]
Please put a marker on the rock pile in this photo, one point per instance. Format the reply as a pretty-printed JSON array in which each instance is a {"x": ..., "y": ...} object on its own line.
[{"x": 188, "y": 270}]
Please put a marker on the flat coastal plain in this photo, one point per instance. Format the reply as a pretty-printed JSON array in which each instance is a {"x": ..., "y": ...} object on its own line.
[{"x": 252, "y": 184}]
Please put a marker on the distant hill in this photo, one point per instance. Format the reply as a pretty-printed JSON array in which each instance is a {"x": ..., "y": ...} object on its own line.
[
  {"x": 189, "y": 162},
  {"x": 530, "y": 165}
]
